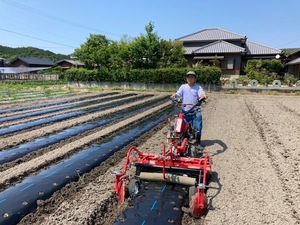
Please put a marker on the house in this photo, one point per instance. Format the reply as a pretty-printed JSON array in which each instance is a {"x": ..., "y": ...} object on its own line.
[
  {"x": 68, "y": 63},
  {"x": 31, "y": 62},
  {"x": 22, "y": 65},
  {"x": 293, "y": 64},
  {"x": 3, "y": 62},
  {"x": 229, "y": 51}
]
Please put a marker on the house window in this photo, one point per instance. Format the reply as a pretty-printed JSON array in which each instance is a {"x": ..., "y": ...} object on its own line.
[{"x": 228, "y": 64}]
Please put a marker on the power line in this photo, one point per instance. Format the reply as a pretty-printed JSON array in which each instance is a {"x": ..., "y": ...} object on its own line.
[
  {"x": 29, "y": 25},
  {"x": 36, "y": 46},
  {"x": 57, "y": 18},
  {"x": 289, "y": 43},
  {"x": 40, "y": 39}
]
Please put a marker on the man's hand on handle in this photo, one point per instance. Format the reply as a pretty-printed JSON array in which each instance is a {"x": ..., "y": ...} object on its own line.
[
  {"x": 173, "y": 95},
  {"x": 203, "y": 96}
]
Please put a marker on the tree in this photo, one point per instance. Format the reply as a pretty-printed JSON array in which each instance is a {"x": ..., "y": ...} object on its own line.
[
  {"x": 94, "y": 53},
  {"x": 119, "y": 56},
  {"x": 145, "y": 50},
  {"x": 172, "y": 54}
]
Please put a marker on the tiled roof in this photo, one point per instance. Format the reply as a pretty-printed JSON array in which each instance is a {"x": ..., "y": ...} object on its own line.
[
  {"x": 190, "y": 50},
  {"x": 217, "y": 34},
  {"x": 219, "y": 47},
  {"x": 253, "y": 48},
  {"x": 293, "y": 62},
  {"x": 211, "y": 34},
  {"x": 71, "y": 61},
  {"x": 36, "y": 61},
  {"x": 21, "y": 69}
]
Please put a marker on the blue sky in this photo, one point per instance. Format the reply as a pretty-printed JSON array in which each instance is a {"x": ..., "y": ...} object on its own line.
[{"x": 63, "y": 25}]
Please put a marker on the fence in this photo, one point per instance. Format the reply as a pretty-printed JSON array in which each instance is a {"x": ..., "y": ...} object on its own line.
[{"x": 28, "y": 76}]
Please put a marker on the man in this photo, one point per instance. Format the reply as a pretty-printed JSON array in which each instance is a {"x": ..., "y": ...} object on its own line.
[{"x": 191, "y": 94}]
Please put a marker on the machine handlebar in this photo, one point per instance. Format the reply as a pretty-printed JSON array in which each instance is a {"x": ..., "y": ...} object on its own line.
[{"x": 178, "y": 103}]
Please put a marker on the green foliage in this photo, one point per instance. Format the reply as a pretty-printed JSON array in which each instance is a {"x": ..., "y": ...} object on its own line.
[
  {"x": 290, "y": 79},
  {"x": 231, "y": 92},
  {"x": 80, "y": 178},
  {"x": 19, "y": 89},
  {"x": 272, "y": 66},
  {"x": 267, "y": 79},
  {"x": 11, "y": 53},
  {"x": 208, "y": 75},
  {"x": 264, "y": 71},
  {"x": 289, "y": 51},
  {"x": 147, "y": 51},
  {"x": 118, "y": 56},
  {"x": 256, "y": 67},
  {"x": 243, "y": 80},
  {"x": 172, "y": 54},
  {"x": 94, "y": 52},
  {"x": 83, "y": 74},
  {"x": 205, "y": 75},
  {"x": 145, "y": 59}
]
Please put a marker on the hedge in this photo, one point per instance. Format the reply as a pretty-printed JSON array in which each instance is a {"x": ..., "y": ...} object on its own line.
[{"x": 205, "y": 75}]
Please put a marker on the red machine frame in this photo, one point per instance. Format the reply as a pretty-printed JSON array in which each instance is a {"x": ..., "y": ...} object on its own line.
[{"x": 170, "y": 161}]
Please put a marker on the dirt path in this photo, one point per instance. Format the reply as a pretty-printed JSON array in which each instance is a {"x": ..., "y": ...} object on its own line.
[
  {"x": 251, "y": 173},
  {"x": 254, "y": 142}
]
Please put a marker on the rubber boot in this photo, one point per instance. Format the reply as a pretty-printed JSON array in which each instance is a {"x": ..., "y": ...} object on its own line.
[{"x": 198, "y": 143}]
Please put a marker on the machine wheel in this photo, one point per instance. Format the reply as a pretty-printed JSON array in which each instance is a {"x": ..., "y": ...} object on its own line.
[
  {"x": 197, "y": 209},
  {"x": 133, "y": 187},
  {"x": 193, "y": 153}
]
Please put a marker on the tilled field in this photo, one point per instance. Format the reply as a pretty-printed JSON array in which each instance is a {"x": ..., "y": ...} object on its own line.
[{"x": 253, "y": 140}]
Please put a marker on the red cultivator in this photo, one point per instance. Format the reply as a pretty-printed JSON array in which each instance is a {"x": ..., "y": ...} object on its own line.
[
  {"x": 182, "y": 135},
  {"x": 193, "y": 173},
  {"x": 178, "y": 164}
]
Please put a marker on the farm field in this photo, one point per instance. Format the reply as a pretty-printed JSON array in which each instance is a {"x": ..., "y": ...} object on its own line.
[{"x": 50, "y": 151}]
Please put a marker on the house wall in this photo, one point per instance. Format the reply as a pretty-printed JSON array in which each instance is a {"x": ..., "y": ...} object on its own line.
[
  {"x": 65, "y": 64},
  {"x": 294, "y": 69},
  {"x": 237, "y": 65},
  {"x": 18, "y": 63},
  {"x": 236, "y": 58}
]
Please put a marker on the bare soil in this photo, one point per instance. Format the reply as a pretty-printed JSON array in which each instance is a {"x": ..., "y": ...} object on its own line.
[{"x": 252, "y": 139}]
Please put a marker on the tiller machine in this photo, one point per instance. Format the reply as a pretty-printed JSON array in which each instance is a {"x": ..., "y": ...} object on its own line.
[
  {"x": 192, "y": 173},
  {"x": 182, "y": 135}
]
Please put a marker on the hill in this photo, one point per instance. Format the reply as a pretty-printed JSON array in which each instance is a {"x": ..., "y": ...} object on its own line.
[
  {"x": 288, "y": 51},
  {"x": 9, "y": 53}
]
